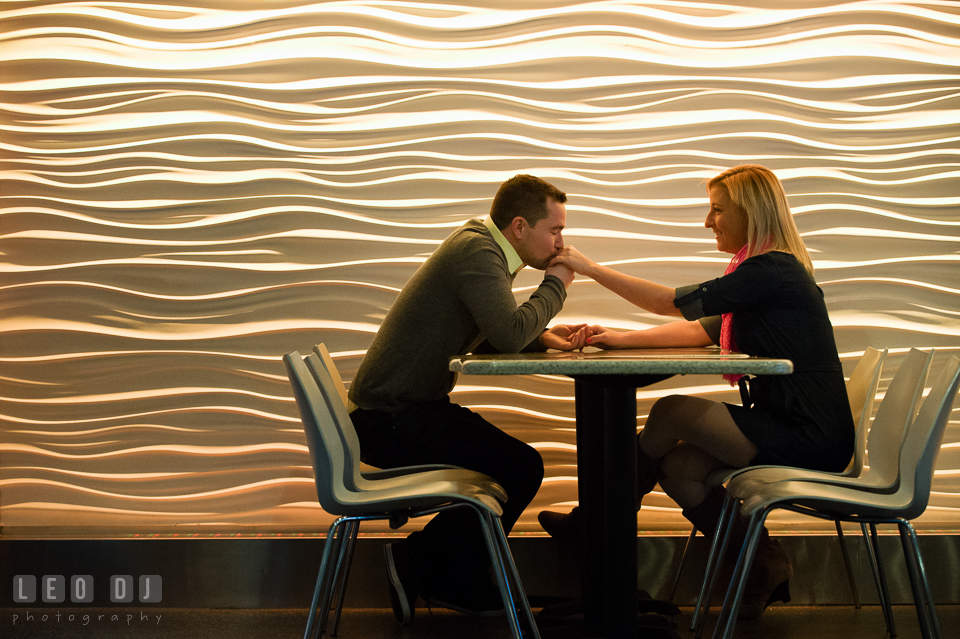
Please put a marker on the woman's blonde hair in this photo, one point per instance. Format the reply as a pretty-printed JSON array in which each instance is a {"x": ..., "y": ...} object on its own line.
[{"x": 770, "y": 226}]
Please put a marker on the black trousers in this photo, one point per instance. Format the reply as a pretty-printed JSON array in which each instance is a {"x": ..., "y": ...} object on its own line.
[{"x": 441, "y": 432}]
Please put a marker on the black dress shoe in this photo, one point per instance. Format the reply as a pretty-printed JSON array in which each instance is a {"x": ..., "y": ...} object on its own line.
[
  {"x": 403, "y": 581},
  {"x": 477, "y": 597},
  {"x": 563, "y": 527}
]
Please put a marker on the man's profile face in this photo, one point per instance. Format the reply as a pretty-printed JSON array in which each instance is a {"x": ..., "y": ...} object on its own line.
[{"x": 537, "y": 245}]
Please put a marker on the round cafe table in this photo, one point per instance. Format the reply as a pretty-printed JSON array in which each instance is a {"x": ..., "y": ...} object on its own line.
[{"x": 606, "y": 385}]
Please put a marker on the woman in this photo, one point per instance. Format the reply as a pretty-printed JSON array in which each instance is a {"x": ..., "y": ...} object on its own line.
[{"x": 766, "y": 304}]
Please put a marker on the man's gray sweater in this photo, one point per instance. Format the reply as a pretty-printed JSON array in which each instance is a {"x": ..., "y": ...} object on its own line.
[{"x": 460, "y": 296}]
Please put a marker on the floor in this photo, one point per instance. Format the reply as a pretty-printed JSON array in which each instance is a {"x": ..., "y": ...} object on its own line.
[{"x": 782, "y": 622}]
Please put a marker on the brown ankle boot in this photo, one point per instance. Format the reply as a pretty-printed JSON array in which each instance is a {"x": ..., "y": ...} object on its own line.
[{"x": 769, "y": 579}]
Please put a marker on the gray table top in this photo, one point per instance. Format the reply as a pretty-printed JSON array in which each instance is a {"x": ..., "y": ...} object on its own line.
[{"x": 670, "y": 361}]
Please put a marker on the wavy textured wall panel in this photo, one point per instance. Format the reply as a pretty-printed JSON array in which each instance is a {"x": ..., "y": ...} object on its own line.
[{"x": 191, "y": 190}]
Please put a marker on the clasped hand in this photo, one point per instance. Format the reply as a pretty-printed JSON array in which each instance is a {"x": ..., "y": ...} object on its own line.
[
  {"x": 573, "y": 259},
  {"x": 565, "y": 337},
  {"x": 567, "y": 262}
]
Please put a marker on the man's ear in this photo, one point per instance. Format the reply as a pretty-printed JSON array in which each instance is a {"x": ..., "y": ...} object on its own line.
[{"x": 517, "y": 226}]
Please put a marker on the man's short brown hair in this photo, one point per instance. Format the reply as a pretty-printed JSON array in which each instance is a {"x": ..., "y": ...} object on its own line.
[{"x": 523, "y": 196}]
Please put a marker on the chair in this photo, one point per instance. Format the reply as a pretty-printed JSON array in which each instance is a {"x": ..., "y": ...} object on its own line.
[
  {"x": 343, "y": 491},
  {"x": 861, "y": 392},
  {"x": 321, "y": 357},
  {"x": 334, "y": 384},
  {"x": 907, "y": 501},
  {"x": 896, "y": 411}
]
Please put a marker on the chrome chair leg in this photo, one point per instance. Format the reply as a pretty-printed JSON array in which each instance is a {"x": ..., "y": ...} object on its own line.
[
  {"x": 312, "y": 616},
  {"x": 350, "y": 544},
  {"x": 851, "y": 579},
  {"x": 738, "y": 582},
  {"x": 718, "y": 551},
  {"x": 511, "y": 566},
  {"x": 872, "y": 560},
  {"x": 926, "y": 611},
  {"x": 922, "y": 571},
  {"x": 334, "y": 578},
  {"x": 683, "y": 561},
  {"x": 499, "y": 571},
  {"x": 918, "y": 598},
  {"x": 322, "y": 586},
  {"x": 884, "y": 592}
]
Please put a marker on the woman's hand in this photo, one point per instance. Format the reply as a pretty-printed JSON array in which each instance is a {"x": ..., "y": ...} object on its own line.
[
  {"x": 574, "y": 259},
  {"x": 648, "y": 295},
  {"x": 607, "y": 338}
]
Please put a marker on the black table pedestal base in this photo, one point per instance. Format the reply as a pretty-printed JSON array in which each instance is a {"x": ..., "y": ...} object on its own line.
[
  {"x": 655, "y": 620},
  {"x": 607, "y": 445}
]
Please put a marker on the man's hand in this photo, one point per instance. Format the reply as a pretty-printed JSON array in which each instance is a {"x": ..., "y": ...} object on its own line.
[
  {"x": 564, "y": 337},
  {"x": 565, "y": 273}
]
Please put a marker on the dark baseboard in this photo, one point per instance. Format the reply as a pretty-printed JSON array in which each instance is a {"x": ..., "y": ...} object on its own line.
[{"x": 280, "y": 572}]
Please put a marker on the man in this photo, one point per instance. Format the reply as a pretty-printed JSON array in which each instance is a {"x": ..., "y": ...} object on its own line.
[{"x": 460, "y": 301}]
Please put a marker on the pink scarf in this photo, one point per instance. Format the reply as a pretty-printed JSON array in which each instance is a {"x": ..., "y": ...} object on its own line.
[{"x": 727, "y": 342}]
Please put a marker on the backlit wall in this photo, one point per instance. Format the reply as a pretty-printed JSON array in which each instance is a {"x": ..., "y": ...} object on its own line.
[{"x": 191, "y": 189}]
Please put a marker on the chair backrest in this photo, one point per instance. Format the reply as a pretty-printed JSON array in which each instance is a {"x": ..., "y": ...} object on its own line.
[
  {"x": 896, "y": 411},
  {"x": 430, "y": 490},
  {"x": 924, "y": 436},
  {"x": 324, "y": 355},
  {"x": 861, "y": 393},
  {"x": 326, "y": 448},
  {"x": 347, "y": 431},
  {"x": 340, "y": 421}
]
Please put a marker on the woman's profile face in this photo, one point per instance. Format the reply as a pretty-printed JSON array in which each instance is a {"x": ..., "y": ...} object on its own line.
[{"x": 727, "y": 220}]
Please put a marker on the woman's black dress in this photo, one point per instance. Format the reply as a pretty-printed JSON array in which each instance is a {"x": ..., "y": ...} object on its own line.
[{"x": 778, "y": 311}]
